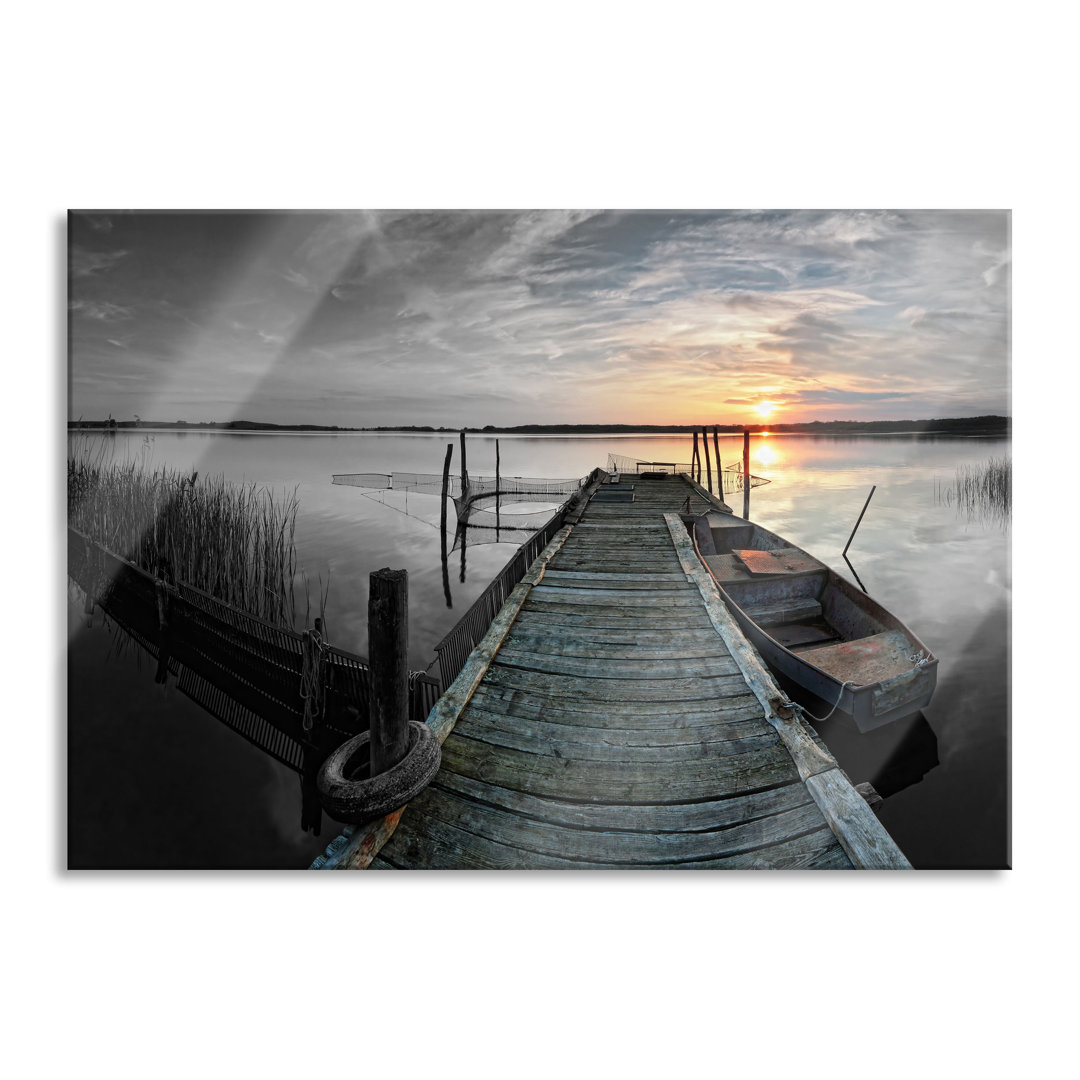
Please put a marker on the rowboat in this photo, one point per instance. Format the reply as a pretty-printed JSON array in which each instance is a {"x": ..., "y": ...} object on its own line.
[{"x": 812, "y": 627}]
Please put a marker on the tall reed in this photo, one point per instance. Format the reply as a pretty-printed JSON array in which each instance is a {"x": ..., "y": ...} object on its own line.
[
  {"x": 234, "y": 541},
  {"x": 981, "y": 491}
]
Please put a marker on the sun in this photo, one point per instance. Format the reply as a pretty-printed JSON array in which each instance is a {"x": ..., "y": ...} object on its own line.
[{"x": 765, "y": 409}]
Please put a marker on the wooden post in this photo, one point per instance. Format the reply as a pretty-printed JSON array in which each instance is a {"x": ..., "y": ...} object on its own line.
[
  {"x": 708, "y": 463},
  {"x": 746, "y": 473},
  {"x": 445, "y": 490},
  {"x": 464, "y": 473},
  {"x": 497, "y": 496},
  {"x": 719, "y": 474},
  {"x": 695, "y": 460},
  {"x": 388, "y": 657},
  {"x": 442, "y": 522}
]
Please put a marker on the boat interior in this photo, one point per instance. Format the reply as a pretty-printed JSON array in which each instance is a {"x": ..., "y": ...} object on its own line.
[{"x": 801, "y": 604}]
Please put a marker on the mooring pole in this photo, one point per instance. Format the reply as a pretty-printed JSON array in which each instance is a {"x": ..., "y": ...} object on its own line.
[
  {"x": 464, "y": 472},
  {"x": 746, "y": 473},
  {"x": 695, "y": 460},
  {"x": 853, "y": 531},
  {"x": 388, "y": 657},
  {"x": 445, "y": 490},
  {"x": 497, "y": 495},
  {"x": 708, "y": 463},
  {"x": 719, "y": 475},
  {"x": 442, "y": 521}
]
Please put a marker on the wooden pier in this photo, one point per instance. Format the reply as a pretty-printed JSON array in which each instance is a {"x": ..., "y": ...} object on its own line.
[{"x": 614, "y": 717}]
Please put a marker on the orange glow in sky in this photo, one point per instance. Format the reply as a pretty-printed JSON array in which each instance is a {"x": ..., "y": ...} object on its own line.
[{"x": 765, "y": 409}]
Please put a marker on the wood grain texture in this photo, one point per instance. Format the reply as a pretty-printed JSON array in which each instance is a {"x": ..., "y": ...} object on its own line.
[{"x": 605, "y": 722}]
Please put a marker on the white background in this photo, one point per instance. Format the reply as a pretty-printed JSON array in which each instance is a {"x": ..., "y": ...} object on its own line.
[{"x": 495, "y": 105}]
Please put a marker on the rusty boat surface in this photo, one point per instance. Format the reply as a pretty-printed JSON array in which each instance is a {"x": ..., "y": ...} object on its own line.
[{"x": 812, "y": 627}]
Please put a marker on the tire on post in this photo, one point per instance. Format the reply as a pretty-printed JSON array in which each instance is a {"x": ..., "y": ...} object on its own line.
[{"x": 361, "y": 800}]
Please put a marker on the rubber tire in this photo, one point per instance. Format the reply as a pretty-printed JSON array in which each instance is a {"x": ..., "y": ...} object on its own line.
[{"x": 358, "y": 801}]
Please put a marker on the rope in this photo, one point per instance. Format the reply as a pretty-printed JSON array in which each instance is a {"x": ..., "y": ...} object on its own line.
[
  {"x": 919, "y": 659},
  {"x": 313, "y": 649},
  {"x": 820, "y": 719}
]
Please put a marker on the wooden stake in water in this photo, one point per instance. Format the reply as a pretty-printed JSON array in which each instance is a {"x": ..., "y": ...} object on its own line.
[
  {"x": 695, "y": 461},
  {"x": 708, "y": 463},
  {"x": 388, "y": 656},
  {"x": 853, "y": 531},
  {"x": 442, "y": 522},
  {"x": 746, "y": 473},
  {"x": 445, "y": 490},
  {"x": 497, "y": 495},
  {"x": 719, "y": 475},
  {"x": 464, "y": 473}
]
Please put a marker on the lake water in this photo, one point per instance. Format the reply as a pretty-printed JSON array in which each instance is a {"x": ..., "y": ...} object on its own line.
[{"x": 156, "y": 782}]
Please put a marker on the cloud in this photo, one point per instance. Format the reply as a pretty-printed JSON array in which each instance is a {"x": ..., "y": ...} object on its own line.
[
  {"x": 83, "y": 263},
  {"x": 101, "y": 310},
  {"x": 630, "y": 315}
]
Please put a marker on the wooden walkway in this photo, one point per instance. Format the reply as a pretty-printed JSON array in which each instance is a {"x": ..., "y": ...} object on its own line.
[{"x": 612, "y": 727}]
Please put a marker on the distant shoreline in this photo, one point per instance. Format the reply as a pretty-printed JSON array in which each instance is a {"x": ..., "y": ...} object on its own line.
[{"x": 970, "y": 425}]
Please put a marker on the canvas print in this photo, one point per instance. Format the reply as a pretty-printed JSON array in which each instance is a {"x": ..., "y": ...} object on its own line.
[{"x": 538, "y": 539}]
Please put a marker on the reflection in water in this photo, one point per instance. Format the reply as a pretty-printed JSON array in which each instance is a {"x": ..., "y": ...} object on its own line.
[
  {"x": 980, "y": 493},
  {"x": 155, "y": 781}
]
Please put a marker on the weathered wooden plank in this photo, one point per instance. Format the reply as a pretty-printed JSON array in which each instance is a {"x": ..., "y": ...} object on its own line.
[
  {"x": 584, "y": 564},
  {"x": 572, "y": 634},
  {"x": 532, "y": 705},
  {"x": 619, "y": 846},
  {"x": 654, "y": 747},
  {"x": 630, "y": 782},
  {"x": 617, "y": 616},
  {"x": 589, "y": 525},
  {"x": 670, "y": 691},
  {"x": 650, "y": 599},
  {"x": 576, "y": 645},
  {"x": 598, "y": 667},
  {"x": 856, "y": 826},
  {"x": 621, "y": 582},
  {"x": 644, "y": 817},
  {"x": 428, "y": 842}
]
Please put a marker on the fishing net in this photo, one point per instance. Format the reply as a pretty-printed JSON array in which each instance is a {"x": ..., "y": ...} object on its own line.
[
  {"x": 730, "y": 479},
  {"x": 507, "y": 488},
  {"x": 483, "y": 504}
]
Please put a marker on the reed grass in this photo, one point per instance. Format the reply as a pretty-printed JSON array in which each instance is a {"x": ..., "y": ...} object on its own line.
[
  {"x": 234, "y": 541},
  {"x": 981, "y": 492}
]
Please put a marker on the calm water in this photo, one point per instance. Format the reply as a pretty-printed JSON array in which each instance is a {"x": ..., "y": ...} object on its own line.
[{"x": 156, "y": 782}]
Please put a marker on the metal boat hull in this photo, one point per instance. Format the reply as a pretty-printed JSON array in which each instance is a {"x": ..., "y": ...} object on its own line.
[{"x": 872, "y": 641}]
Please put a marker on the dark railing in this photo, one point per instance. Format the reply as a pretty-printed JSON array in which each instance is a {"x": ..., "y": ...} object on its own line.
[
  {"x": 243, "y": 670},
  {"x": 454, "y": 649}
]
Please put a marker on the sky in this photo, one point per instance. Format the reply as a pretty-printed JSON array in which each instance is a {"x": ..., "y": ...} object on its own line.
[{"x": 470, "y": 318}]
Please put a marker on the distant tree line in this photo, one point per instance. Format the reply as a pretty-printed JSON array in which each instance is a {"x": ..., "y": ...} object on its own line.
[{"x": 962, "y": 425}]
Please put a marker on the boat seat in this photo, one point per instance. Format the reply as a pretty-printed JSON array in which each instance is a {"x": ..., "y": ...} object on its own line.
[
  {"x": 786, "y": 560},
  {"x": 797, "y": 636},
  {"x": 777, "y": 612},
  {"x": 719, "y": 520},
  {"x": 726, "y": 568},
  {"x": 865, "y": 660}
]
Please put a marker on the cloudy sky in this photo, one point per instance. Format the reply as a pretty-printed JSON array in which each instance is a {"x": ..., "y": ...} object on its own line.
[{"x": 472, "y": 318}]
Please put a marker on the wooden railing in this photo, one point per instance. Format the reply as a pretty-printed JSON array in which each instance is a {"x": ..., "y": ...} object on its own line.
[
  {"x": 245, "y": 671},
  {"x": 455, "y": 647}
]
